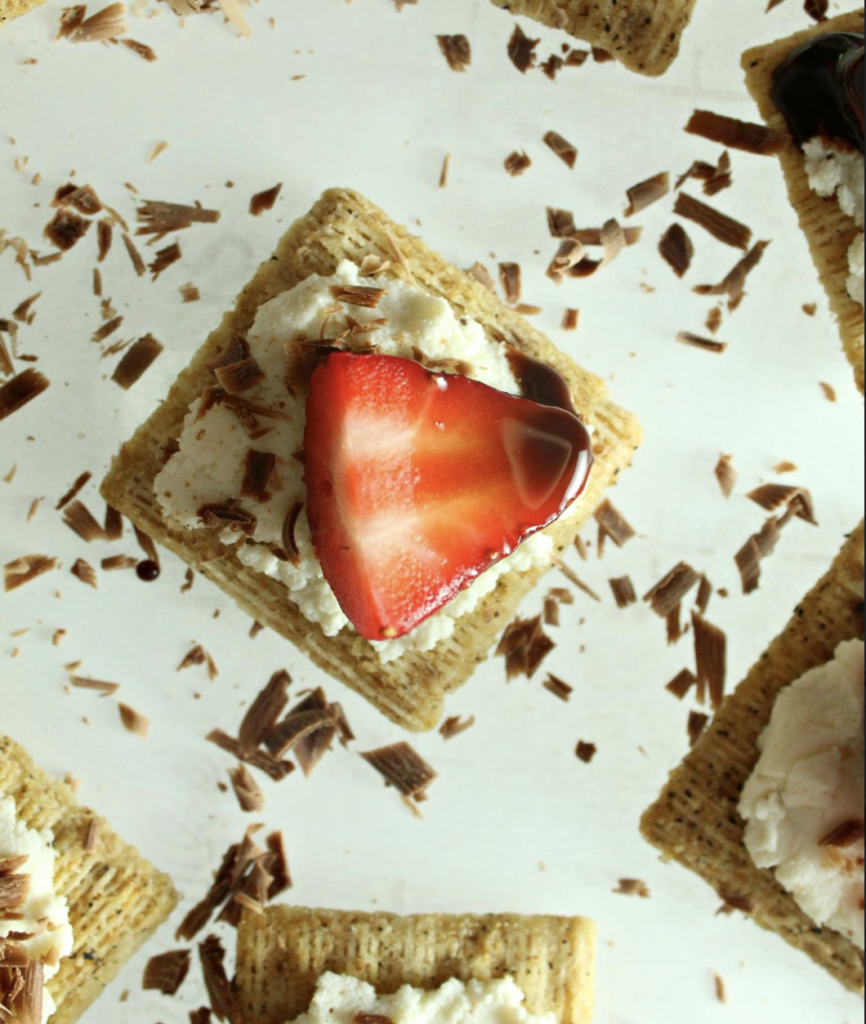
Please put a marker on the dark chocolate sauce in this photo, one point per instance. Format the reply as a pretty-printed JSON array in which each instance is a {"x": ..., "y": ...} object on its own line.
[
  {"x": 147, "y": 571},
  {"x": 539, "y": 382},
  {"x": 550, "y": 453},
  {"x": 819, "y": 88}
]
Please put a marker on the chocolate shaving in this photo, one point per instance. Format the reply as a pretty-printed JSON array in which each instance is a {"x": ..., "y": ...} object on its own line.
[
  {"x": 20, "y": 390},
  {"x": 510, "y": 277},
  {"x": 97, "y": 685},
  {"x": 558, "y": 688},
  {"x": 277, "y": 770},
  {"x": 114, "y": 562},
  {"x": 560, "y": 223},
  {"x": 674, "y": 625},
  {"x": 456, "y": 50},
  {"x": 167, "y": 972},
  {"x": 521, "y": 50},
  {"x": 313, "y": 746},
  {"x": 623, "y": 591},
  {"x": 633, "y": 887},
  {"x": 696, "y": 341},
  {"x": 250, "y": 796},
  {"x": 454, "y": 726},
  {"x": 7, "y": 367},
  {"x": 261, "y": 202},
  {"x": 570, "y": 254},
  {"x": 570, "y": 319},
  {"x": 289, "y": 539},
  {"x": 516, "y": 163},
  {"x": 66, "y": 230},
  {"x": 705, "y": 594},
  {"x": 278, "y": 865},
  {"x": 829, "y": 391},
  {"x": 82, "y": 198},
  {"x": 614, "y": 524},
  {"x": 797, "y": 500},
  {"x": 164, "y": 259},
  {"x": 113, "y": 523},
  {"x": 551, "y": 611},
  {"x": 14, "y": 891},
  {"x": 26, "y": 569},
  {"x": 698, "y": 721},
  {"x": 265, "y": 710},
  {"x": 734, "y": 283},
  {"x": 524, "y": 645},
  {"x": 718, "y": 224},
  {"x": 227, "y": 517},
  {"x": 358, "y": 295},
  {"x": 670, "y": 591},
  {"x": 221, "y": 992},
  {"x": 133, "y": 721},
  {"x": 160, "y": 219},
  {"x": 612, "y": 237},
  {"x": 736, "y": 134},
  {"x": 21, "y": 993},
  {"x": 645, "y": 193},
  {"x": 726, "y": 475},
  {"x": 189, "y": 293},
  {"x": 197, "y": 655},
  {"x": 845, "y": 835},
  {"x": 676, "y": 249},
  {"x": 258, "y": 468},
  {"x": 711, "y": 647},
  {"x": 562, "y": 148},
  {"x": 85, "y": 572},
  {"x": 138, "y": 263},
  {"x": 102, "y": 26},
  {"x": 722, "y": 176},
  {"x": 136, "y": 361},
  {"x": 572, "y": 577},
  {"x": 22, "y": 311},
  {"x": 107, "y": 329},
  {"x": 71, "y": 19},
  {"x": 80, "y": 482},
  {"x": 403, "y": 768},
  {"x": 146, "y": 53},
  {"x": 681, "y": 685},
  {"x": 586, "y": 751},
  {"x": 298, "y": 725},
  {"x": 236, "y": 350}
]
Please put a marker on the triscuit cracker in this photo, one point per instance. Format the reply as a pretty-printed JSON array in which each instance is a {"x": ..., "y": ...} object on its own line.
[
  {"x": 412, "y": 690},
  {"x": 828, "y": 230},
  {"x": 15, "y": 8},
  {"x": 696, "y": 821},
  {"x": 283, "y": 953},
  {"x": 642, "y": 34},
  {"x": 117, "y": 899}
]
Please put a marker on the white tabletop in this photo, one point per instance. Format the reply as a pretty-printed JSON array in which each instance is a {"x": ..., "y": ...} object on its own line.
[{"x": 515, "y": 822}]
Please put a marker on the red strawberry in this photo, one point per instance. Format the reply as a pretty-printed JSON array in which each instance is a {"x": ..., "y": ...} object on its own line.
[{"x": 417, "y": 482}]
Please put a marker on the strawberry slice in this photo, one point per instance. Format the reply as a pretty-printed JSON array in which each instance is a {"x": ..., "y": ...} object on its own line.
[{"x": 417, "y": 482}]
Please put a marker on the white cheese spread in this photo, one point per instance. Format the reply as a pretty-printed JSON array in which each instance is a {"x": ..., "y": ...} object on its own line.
[
  {"x": 809, "y": 782},
  {"x": 839, "y": 172},
  {"x": 45, "y": 914},
  {"x": 339, "y": 999},
  {"x": 209, "y": 466}
]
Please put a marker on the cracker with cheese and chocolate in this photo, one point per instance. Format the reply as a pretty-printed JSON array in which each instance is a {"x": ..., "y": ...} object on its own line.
[
  {"x": 375, "y": 457},
  {"x": 768, "y": 806},
  {"x": 810, "y": 86},
  {"x": 644, "y": 35},
  {"x": 76, "y": 902},
  {"x": 298, "y": 966}
]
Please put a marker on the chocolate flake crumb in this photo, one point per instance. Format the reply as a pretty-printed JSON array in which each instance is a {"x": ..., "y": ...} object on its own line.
[
  {"x": 677, "y": 250},
  {"x": 102, "y": 26},
  {"x": 797, "y": 500},
  {"x": 829, "y": 391},
  {"x": 698, "y": 721},
  {"x": 572, "y": 577},
  {"x": 681, "y": 685},
  {"x": 562, "y": 148},
  {"x": 570, "y": 254},
  {"x": 160, "y": 219},
  {"x": 239, "y": 377},
  {"x": 106, "y": 330},
  {"x": 719, "y": 225},
  {"x": 114, "y": 562},
  {"x": 167, "y": 972},
  {"x": 734, "y": 283},
  {"x": 189, "y": 292},
  {"x": 521, "y": 50},
  {"x": 146, "y": 53},
  {"x": 736, "y": 134},
  {"x": 517, "y": 163},
  {"x": 696, "y": 341},
  {"x": 726, "y": 474},
  {"x": 445, "y": 172},
  {"x": 558, "y": 687},
  {"x": 614, "y": 524},
  {"x": 133, "y": 721},
  {"x": 66, "y": 229},
  {"x": 290, "y": 543},
  {"x": 261, "y": 202},
  {"x": 138, "y": 263},
  {"x": 810, "y": 308},
  {"x": 164, "y": 259},
  {"x": 509, "y": 275},
  {"x": 570, "y": 319},
  {"x": 633, "y": 887},
  {"x": 85, "y": 572},
  {"x": 222, "y": 516},
  {"x": 524, "y": 645},
  {"x": 785, "y": 466},
  {"x": 612, "y": 237},
  {"x": 721, "y": 989},
  {"x": 80, "y": 520},
  {"x": 197, "y": 655},
  {"x": 586, "y": 751},
  {"x": 20, "y": 390},
  {"x": 136, "y": 361},
  {"x": 456, "y": 50},
  {"x": 265, "y": 711},
  {"x": 258, "y": 468},
  {"x": 358, "y": 295},
  {"x": 102, "y": 688},
  {"x": 402, "y": 767},
  {"x": 845, "y": 835},
  {"x": 71, "y": 19},
  {"x": 247, "y": 790},
  {"x": 714, "y": 320},
  {"x": 672, "y": 589},
  {"x": 82, "y": 198},
  {"x": 222, "y": 996},
  {"x": 22, "y": 311},
  {"x": 455, "y": 725},
  {"x": 623, "y": 591},
  {"x": 72, "y": 493},
  {"x": 25, "y": 569},
  {"x": 645, "y": 193},
  {"x": 277, "y": 770},
  {"x": 711, "y": 646}
]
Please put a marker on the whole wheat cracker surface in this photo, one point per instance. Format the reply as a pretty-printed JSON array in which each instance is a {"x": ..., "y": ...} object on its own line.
[
  {"x": 15, "y": 8},
  {"x": 696, "y": 821},
  {"x": 117, "y": 899},
  {"x": 412, "y": 690},
  {"x": 643, "y": 34},
  {"x": 283, "y": 953},
  {"x": 828, "y": 230}
]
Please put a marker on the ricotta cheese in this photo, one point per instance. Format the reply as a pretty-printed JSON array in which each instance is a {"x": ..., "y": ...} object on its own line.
[
  {"x": 809, "y": 781},
  {"x": 339, "y": 999},
  {"x": 840, "y": 172},
  {"x": 209, "y": 465},
  {"x": 43, "y": 905}
]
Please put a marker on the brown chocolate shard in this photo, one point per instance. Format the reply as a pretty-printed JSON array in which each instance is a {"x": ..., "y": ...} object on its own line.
[
  {"x": 521, "y": 50},
  {"x": 258, "y": 469},
  {"x": 705, "y": 595},
  {"x": 456, "y": 50},
  {"x": 66, "y": 229},
  {"x": 676, "y": 249},
  {"x": 222, "y": 995},
  {"x": 570, "y": 319},
  {"x": 114, "y": 562},
  {"x": 565, "y": 150},
  {"x": 645, "y": 193},
  {"x": 71, "y": 19},
  {"x": 106, "y": 330},
  {"x": 189, "y": 292},
  {"x": 145, "y": 52},
  {"x": 247, "y": 790},
  {"x": 167, "y": 972},
  {"x": 104, "y": 238},
  {"x": 570, "y": 254},
  {"x": 736, "y": 134},
  {"x": 14, "y": 887},
  {"x": 711, "y": 651},
  {"x": 726, "y": 474},
  {"x": 136, "y": 361},
  {"x": 623, "y": 591},
  {"x": 558, "y": 687},
  {"x": 517, "y": 163},
  {"x": 26, "y": 569},
  {"x": 509, "y": 275},
  {"x": 358, "y": 295},
  {"x": 164, "y": 259},
  {"x": 102, "y": 26},
  {"x": 160, "y": 219},
  {"x": 696, "y": 341},
  {"x": 236, "y": 350},
  {"x": 614, "y": 524},
  {"x": 298, "y": 725},
  {"x": 134, "y": 722},
  {"x": 403, "y": 768},
  {"x": 718, "y": 224},
  {"x": 83, "y": 198},
  {"x": 277, "y": 770},
  {"x": 586, "y": 751},
  {"x": 72, "y": 493},
  {"x": 560, "y": 223},
  {"x": 138, "y": 263},
  {"x": 261, "y": 202},
  {"x": 672, "y": 589},
  {"x": 85, "y": 572},
  {"x": 455, "y": 725},
  {"x": 227, "y": 516},
  {"x": 22, "y": 311},
  {"x": 797, "y": 500},
  {"x": 846, "y": 834},
  {"x": 681, "y": 684},
  {"x": 612, "y": 237},
  {"x": 80, "y": 520},
  {"x": 524, "y": 645},
  {"x": 829, "y": 391},
  {"x": 20, "y": 390},
  {"x": 698, "y": 721},
  {"x": 734, "y": 282},
  {"x": 633, "y": 887},
  {"x": 197, "y": 655},
  {"x": 97, "y": 685},
  {"x": 674, "y": 625}
]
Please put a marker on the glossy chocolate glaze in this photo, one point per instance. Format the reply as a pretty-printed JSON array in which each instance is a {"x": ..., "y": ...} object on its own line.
[{"x": 819, "y": 88}]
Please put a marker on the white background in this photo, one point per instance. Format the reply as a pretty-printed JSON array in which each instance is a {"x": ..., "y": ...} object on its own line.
[{"x": 515, "y": 822}]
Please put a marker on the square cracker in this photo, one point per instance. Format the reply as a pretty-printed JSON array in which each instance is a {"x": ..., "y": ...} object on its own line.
[
  {"x": 15, "y": 8},
  {"x": 283, "y": 953},
  {"x": 828, "y": 230},
  {"x": 642, "y": 34},
  {"x": 696, "y": 821},
  {"x": 117, "y": 899},
  {"x": 411, "y": 691}
]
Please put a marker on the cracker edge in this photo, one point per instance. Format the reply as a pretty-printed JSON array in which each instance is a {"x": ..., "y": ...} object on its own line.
[
  {"x": 728, "y": 753},
  {"x": 10, "y": 9}
]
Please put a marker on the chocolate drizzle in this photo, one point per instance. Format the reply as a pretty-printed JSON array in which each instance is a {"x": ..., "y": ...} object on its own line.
[
  {"x": 819, "y": 89},
  {"x": 539, "y": 382}
]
